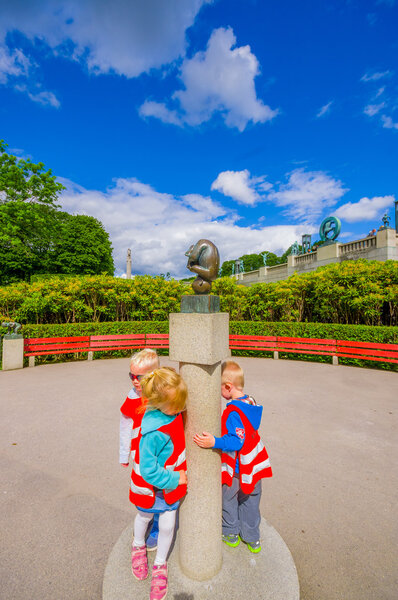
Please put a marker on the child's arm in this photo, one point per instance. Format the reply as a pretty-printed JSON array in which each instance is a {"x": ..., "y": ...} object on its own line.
[
  {"x": 153, "y": 444},
  {"x": 126, "y": 424},
  {"x": 231, "y": 441}
]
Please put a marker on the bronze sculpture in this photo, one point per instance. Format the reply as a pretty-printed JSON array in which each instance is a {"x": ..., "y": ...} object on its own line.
[{"x": 204, "y": 260}]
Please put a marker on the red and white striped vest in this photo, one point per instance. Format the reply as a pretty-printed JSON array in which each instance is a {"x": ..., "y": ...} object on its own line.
[
  {"x": 142, "y": 494},
  {"x": 253, "y": 457}
]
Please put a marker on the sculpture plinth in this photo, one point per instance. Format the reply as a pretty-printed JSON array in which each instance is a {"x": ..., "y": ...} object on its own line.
[{"x": 200, "y": 304}]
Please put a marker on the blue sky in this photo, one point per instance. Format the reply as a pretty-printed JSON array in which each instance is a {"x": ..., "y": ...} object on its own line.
[{"x": 246, "y": 122}]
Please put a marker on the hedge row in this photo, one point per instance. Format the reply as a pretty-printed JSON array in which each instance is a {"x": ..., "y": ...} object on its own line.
[
  {"x": 382, "y": 334},
  {"x": 353, "y": 292}
]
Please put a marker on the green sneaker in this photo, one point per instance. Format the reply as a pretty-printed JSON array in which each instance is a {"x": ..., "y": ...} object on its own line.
[
  {"x": 231, "y": 540},
  {"x": 255, "y": 547}
]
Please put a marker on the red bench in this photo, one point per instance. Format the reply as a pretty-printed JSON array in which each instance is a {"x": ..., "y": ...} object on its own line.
[
  {"x": 93, "y": 343},
  {"x": 368, "y": 351},
  {"x": 326, "y": 347},
  {"x": 102, "y": 343},
  {"x": 59, "y": 345},
  {"x": 157, "y": 340}
]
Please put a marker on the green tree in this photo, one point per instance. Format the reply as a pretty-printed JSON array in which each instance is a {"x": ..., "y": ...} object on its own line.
[
  {"x": 23, "y": 180},
  {"x": 226, "y": 268},
  {"x": 35, "y": 236},
  {"x": 81, "y": 246}
]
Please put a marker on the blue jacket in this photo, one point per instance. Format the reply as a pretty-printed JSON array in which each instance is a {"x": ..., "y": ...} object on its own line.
[
  {"x": 234, "y": 439},
  {"x": 155, "y": 449}
]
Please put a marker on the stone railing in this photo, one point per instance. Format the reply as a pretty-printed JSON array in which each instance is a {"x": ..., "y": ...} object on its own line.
[
  {"x": 304, "y": 259},
  {"x": 276, "y": 268},
  {"x": 363, "y": 244}
]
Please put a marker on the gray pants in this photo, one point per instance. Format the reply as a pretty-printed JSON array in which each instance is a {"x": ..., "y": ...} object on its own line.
[{"x": 241, "y": 512}]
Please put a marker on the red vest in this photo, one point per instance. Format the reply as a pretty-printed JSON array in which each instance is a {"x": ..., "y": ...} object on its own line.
[
  {"x": 132, "y": 408},
  {"x": 142, "y": 493},
  {"x": 253, "y": 458}
]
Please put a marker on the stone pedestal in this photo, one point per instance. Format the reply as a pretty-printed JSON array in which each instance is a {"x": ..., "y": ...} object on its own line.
[
  {"x": 199, "y": 342},
  {"x": 12, "y": 353},
  {"x": 269, "y": 575}
]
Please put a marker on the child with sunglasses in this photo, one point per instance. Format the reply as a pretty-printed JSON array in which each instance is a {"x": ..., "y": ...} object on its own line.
[{"x": 132, "y": 412}]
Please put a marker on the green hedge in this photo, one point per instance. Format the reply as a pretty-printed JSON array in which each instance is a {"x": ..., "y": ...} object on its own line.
[
  {"x": 382, "y": 334},
  {"x": 357, "y": 292}
]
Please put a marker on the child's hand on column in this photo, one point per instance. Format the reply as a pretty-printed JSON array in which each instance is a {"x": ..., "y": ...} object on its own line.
[
  {"x": 206, "y": 440},
  {"x": 183, "y": 478}
]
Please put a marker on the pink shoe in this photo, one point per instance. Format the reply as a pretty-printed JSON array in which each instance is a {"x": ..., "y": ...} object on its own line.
[
  {"x": 139, "y": 562},
  {"x": 158, "y": 583}
]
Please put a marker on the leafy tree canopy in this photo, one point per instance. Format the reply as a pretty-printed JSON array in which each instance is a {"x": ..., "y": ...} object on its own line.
[
  {"x": 35, "y": 236},
  {"x": 23, "y": 180}
]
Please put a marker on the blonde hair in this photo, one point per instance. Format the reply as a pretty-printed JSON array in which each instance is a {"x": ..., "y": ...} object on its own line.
[
  {"x": 145, "y": 358},
  {"x": 158, "y": 387},
  {"x": 231, "y": 372}
]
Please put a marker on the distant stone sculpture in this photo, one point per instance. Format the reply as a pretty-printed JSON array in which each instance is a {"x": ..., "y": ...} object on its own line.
[
  {"x": 204, "y": 260},
  {"x": 386, "y": 221},
  {"x": 295, "y": 248},
  {"x": 128, "y": 264},
  {"x": 12, "y": 329},
  {"x": 330, "y": 229}
]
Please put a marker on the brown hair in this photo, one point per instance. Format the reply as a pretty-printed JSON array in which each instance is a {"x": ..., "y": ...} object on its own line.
[
  {"x": 231, "y": 372},
  {"x": 158, "y": 387}
]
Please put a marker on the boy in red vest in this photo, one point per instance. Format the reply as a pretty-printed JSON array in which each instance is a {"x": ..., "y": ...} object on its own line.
[{"x": 244, "y": 460}]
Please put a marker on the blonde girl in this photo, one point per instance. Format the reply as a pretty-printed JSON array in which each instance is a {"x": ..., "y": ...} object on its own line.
[{"x": 158, "y": 479}]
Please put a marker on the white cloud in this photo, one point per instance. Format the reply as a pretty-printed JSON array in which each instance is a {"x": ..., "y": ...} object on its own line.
[
  {"x": 324, "y": 110},
  {"x": 365, "y": 210},
  {"x": 12, "y": 64},
  {"x": 45, "y": 98},
  {"x": 220, "y": 81},
  {"x": 160, "y": 111},
  {"x": 159, "y": 227},
  {"x": 240, "y": 186},
  {"x": 375, "y": 76},
  {"x": 124, "y": 37},
  {"x": 307, "y": 194},
  {"x": 373, "y": 109},
  {"x": 16, "y": 71},
  {"x": 388, "y": 123}
]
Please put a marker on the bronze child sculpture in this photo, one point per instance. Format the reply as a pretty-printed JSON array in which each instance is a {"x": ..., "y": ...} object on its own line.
[{"x": 204, "y": 260}]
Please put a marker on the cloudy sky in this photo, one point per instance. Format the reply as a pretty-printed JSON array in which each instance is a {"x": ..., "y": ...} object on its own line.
[{"x": 243, "y": 121}]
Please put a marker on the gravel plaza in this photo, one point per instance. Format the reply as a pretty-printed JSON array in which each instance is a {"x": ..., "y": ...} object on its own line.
[{"x": 331, "y": 433}]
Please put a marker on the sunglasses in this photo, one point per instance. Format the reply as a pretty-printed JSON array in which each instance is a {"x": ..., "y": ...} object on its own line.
[{"x": 135, "y": 377}]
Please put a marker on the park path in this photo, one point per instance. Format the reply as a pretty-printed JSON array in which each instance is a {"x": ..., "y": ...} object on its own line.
[{"x": 331, "y": 433}]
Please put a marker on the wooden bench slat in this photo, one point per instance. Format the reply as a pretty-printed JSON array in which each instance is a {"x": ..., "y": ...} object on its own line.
[
  {"x": 59, "y": 351},
  {"x": 306, "y": 352},
  {"x": 121, "y": 343},
  {"x": 367, "y": 351},
  {"x": 367, "y": 345},
  {"x": 85, "y": 338},
  {"x": 271, "y": 338},
  {"x": 298, "y": 347},
  {"x": 122, "y": 336},
  {"x": 112, "y": 348},
  {"x": 306, "y": 340},
  {"x": 50, "y": 347}
]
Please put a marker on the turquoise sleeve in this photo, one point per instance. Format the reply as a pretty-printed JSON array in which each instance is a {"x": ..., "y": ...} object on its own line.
[{"x": 155, "y": 449}]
